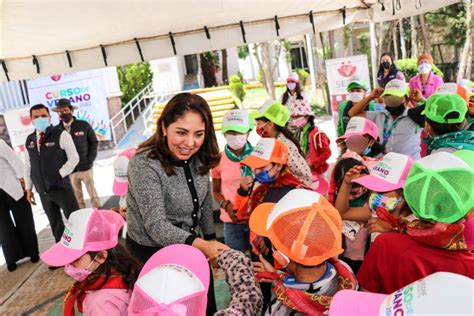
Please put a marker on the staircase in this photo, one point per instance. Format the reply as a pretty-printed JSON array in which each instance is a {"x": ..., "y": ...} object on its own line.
[{"x": 220, "y": 101}]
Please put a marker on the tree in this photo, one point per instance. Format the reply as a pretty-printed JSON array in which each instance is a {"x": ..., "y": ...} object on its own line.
[
  {"x": 225, "y": 75},
  {"x": 209, "y": 67},
  {"x": 425, "y": 36},
  {"x": 414, "y": 43},
  {"x": 132, "y": 79},
  {"x": 237, "y": 88},
  {"x": 267, "y": 68},
  {"x": 465, "y": 64}
]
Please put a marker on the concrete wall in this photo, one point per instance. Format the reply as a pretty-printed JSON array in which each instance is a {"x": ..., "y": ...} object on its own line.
[{"x": 168, "y": 74}]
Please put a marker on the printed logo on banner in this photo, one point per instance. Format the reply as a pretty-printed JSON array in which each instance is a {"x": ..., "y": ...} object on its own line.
[
  {"x": 24, "y": 118},
  {"x": 347, "y": 69},
  {"x": 56, "y": 77}
]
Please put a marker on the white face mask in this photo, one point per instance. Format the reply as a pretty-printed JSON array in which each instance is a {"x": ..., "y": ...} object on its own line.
[
  {"x": 291, "y": 85},
  {"x": 236, "y": 142},
  {"x": 356, "y": 96},
  {"x": 424, "y": 68}
]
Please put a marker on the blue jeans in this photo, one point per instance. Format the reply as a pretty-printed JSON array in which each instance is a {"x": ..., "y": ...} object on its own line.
[{"x": 236, "y": 236}]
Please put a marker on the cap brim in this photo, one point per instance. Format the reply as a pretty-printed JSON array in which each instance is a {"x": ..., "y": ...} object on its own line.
[
  {"x": 345, "y": 136},
  {"x": 258, "y": 218},
  {"x": 256, "y": 115},
  {"x": 55, "y": 109},
  {"x": 320, "y": 184},
  {"x": 378, "y": 185},
  {"x": 182, "y": 255},
  {"x": 394, "y": 92},
  {"x": 354, "y": 303},
  {"x": 120, "y": 188},
  {"x": 239, "y": 129},
  {"x": 58, "y": 255},
  {"x": 255, "y": 162}
]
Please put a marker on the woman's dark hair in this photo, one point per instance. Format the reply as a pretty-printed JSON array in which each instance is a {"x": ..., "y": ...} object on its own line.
[
  {"x": 344, "y": 165},
  {"x": 445, "y": 128},
  {"x": 393, "y": 66},
  {"x": 286, "y": 94},
  {"x": 287, "y": 133},
  {"x": 177, "y": 107},
  {"x": 119, "y": 261}
]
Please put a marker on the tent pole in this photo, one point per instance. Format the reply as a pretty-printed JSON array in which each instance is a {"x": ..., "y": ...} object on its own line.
[
  {"x": 373, "y": 53},
  {"x": 312, "y": 69}
]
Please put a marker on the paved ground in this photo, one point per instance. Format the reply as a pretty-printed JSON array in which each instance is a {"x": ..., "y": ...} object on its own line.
[{"x": 34, "y": 290}]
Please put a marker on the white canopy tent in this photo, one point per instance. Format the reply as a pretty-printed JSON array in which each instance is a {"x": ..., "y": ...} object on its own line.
[{"x": 45, "y": 37}]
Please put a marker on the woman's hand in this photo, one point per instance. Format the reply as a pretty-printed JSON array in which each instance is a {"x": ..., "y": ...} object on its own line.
[
  {"x": 376, "y": 225},
  {"x": 416, "y": 95},
  {"x": 210, "y": 248},
  {"x": 246, "y": 183}
]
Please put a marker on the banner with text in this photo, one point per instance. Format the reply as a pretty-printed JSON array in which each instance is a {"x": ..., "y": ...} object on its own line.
[
  {"x": 339, "y": 74},
  {"x": 19, "y": 126},
  {"x": 85, "y": 89}
]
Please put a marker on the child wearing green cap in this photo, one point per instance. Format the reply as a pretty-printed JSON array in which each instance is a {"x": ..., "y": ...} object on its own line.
[
  {"x": 271, "y": 120},
  {"x": 226, "y": 175},
  {"x": 445, "y": 122},
  {"x": 357, "y": 93}
]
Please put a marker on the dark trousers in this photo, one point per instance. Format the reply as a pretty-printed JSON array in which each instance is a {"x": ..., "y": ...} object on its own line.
[
  {"x": 17, "y": 236},
  {"x": 55, "y": 200},
  {"x": 143, "y": 253}
]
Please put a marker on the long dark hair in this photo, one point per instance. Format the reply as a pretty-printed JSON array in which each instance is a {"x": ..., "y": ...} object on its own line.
[
  {"x": 286, "y": 94},
  {"x": 286, "y": 132},
  {"x": 177, "y": 107},
  {"x": 119, "y": 261},
  {"x": 392, "y": 67}
]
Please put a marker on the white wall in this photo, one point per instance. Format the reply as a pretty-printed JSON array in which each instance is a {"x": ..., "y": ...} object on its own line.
[
  {"x": 168, "y": 74},
  {"x": 111, "y": 81}
]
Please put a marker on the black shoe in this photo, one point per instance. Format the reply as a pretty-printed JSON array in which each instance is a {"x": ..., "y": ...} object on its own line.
[
  {"x": 11, "y": 266},
  {"x": 34, "y": 258},
  {"x": 52, "y": 268}
]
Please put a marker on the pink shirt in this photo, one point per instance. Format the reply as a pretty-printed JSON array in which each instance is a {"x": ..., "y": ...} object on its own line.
[
  {"x": 434, "y": 81},
  {"x": 107, "y": 302},
  {"x": 229, "y": 174}
]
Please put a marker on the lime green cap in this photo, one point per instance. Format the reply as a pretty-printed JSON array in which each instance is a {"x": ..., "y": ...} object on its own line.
[
  {"x": 356, "y": 84},
  {"x": 273, "y": 111},
  {"x": 441, "y": 104},
  {"x": 396, "y": 87},
  {"x": 237, "y": 121},
  {"x": 466, "y": 155}
]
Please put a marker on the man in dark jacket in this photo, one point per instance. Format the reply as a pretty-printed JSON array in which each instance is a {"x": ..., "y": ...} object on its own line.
[
  {"x": 50, "y": 157},
  {"x": 86, "y": 145}
]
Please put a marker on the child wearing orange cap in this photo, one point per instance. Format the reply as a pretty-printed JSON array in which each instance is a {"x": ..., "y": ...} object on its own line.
[{"x": 306, "y": 235}]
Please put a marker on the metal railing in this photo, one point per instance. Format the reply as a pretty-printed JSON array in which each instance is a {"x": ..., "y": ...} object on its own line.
[
  {"x": 131, "y": 111},
  {"x": 148, "y": 113}
]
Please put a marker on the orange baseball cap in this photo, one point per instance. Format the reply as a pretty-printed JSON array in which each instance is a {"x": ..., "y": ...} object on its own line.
[
  {"x": 303, "y": 225},
  {"x": 266, "y": 151}
]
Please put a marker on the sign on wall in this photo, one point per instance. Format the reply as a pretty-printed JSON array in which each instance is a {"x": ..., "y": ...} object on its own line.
[
  {"x": 19, "y": 126},
  {"x": 339, "y": 74},
  {"x": 85, "y": 89}
]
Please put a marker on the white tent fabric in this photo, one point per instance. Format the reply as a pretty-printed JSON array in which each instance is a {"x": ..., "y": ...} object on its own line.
[{"x": 47, "y": 29}]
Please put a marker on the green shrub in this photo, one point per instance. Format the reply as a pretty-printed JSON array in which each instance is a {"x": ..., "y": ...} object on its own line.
[
  {"x": 303, "y": 75},
  {"x": 132, "y": 79},
  {"x": 410, "y": 69},
  {"x": 237, "y": 87}
]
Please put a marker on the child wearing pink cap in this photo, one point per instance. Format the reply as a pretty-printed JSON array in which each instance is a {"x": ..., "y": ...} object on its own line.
[
  {"x": 386, "y": 179},
  {"x": 120, "y": 186},
  {"x": 104, "y": 271}
]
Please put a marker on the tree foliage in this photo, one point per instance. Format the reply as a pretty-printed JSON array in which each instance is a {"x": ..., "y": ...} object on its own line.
[
  {"x": 132, "y": 79},
  {"x": 410, "y": 69},
  {"x": 237, "y": 87},
  {"x": 243, "y": 51},
  {"x": 452, "y": 20}
]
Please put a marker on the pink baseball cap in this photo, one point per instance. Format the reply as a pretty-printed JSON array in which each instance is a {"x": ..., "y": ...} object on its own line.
[
  {"x": 441, "y": 293},
  {"x": 86, "y": 230},
  {"x": 174, "y": 281},
  {"x": 387, "y": 174},
  {"x": 360, "y": 126},
  {"x": 120, "y": 187}
]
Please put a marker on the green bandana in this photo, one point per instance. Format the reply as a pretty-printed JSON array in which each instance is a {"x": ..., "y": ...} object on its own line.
[
  {"x": 302, "y": 135},
  {"x": 459, "y": 140},
  {"x": 244, "y": 170}
]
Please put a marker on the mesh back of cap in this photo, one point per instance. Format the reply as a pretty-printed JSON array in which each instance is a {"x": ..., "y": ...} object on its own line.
[
  {"x": 321, "y": 241},
  {"x": 443, "y": 195},
  {"x": 102, "y": 230}
]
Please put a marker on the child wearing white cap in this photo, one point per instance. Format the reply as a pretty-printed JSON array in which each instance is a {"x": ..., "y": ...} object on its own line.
[
  {"x": 104, "y": 270},
  {"x": 226, "y": 175}
]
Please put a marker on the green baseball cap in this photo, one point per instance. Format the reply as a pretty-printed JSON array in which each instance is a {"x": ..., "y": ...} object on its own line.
[
  {"x": 439, "y": 187},
  {"x": 273, "y": 111},
  {"x": 237, "y": 121},
  {"x": 441, "y": 104},
  {"x": 356, "y": 84},
  {"x": 396, "y": 87},
  {"x": 466, "y": 155}
]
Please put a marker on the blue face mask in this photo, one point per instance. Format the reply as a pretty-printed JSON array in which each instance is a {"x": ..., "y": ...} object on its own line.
[
  {"x": 264, "y": 177},
  {"x": 366, "y": 151},
  {"x": 41, "y": 123}
]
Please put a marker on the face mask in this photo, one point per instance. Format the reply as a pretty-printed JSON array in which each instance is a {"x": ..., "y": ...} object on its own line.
[
  {"x": 386, "y": 65},
  {"x": 78, "y": 274},
  {"x": 66, "y": 117},
  {"x": 300, "y": 122},
  {"x": 424, "y": 68},
  {"x": 357, "y": 194},
  {"x": 264, "y": 177},
  {"x": 366, "y": 151},
  {"x": 396, "y": 111},
  {"x": 41, "y": 123},
  {"x": 291, "y": 85},
  {"x": 236, "y": 142},
  {"x": 380, "y": 200},
  {"x": 355, "y": 97},
  {"x": 262, "y": 132},
  {"x": 379, "y": 107}
]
